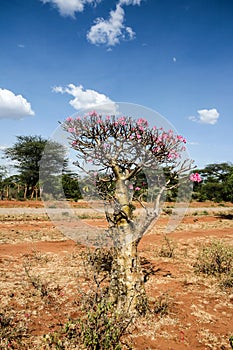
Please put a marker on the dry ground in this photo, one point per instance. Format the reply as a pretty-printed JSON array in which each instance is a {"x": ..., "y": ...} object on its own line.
[{"x": 42, "y": 276}]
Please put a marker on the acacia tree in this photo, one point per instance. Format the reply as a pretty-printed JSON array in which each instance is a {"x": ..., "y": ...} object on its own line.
[
  {"x": 217, "y": 183},
  {"x": 119, "y": 152},
  {"x": 27, "y": 153}
]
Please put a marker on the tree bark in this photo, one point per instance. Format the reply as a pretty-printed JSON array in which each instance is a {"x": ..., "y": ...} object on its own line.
[
  {"x": 25, "y": 191},
  {"x": 127, "y": 283}
]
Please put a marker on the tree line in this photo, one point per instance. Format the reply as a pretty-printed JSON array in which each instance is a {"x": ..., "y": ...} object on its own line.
[{"x": 26, "y": 154}]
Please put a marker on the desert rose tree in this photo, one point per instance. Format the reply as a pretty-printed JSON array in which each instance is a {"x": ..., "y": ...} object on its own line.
[{"x": 116, "y": 152}]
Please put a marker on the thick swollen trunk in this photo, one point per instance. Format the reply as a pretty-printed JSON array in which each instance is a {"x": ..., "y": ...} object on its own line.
[{"x": 127, "y": 283}]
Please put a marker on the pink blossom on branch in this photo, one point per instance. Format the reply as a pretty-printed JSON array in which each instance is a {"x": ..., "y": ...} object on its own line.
[
  {"x": 124, "y": 140},
  {"x": 195, "y": 177}
]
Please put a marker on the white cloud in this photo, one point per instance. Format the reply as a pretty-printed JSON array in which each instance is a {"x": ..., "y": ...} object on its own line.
[
  {"x": 21, "y": 46},
  {"x": 130, "y": 2},
  {"x": 14, "y": 106},
  {"x": 87, "y": 99},
  {"x": 206, "y": 116},
  {"x": 108, "y": 32},
  {"x": 69, "y": 7},
  {"x": 174, "y": 59},
  {"x": 111, "y": 31}
]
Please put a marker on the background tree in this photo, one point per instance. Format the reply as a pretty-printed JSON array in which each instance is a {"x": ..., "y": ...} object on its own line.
[
  {"x": 71, "y": 186},
  {"x": 3, "y": 173},
  {"x": 119, "y": 149},
  {"x": 217, "y": 184},
  {"x": 27, "y": 153}
]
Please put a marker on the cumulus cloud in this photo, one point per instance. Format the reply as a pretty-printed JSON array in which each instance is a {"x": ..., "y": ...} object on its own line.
[
  {"x": 69, "y": 7},
  {"x": 87, "y": 99},
  {"x": 104, "y": 31},
  {"x": 206, "y": 116},
  {"x": 112, "y": 30},
  {"x": 14, "y": 106}
]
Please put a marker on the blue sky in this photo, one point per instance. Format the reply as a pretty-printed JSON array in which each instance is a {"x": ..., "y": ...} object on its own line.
[{"x": 172, "y": 56}]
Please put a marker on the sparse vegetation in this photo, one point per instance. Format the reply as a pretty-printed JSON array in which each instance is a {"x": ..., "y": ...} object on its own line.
[
  {"x": 102, "y": 325},
  {"x": 13, "y": 331},
  {"x": 168, "y": 248},
  {"x": 63, "y": 304},
  {"x": 215, "y": 259},
  {"x": 162, "y": 304}
]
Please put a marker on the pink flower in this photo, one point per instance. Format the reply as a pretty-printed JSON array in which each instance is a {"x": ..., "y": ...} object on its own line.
[
  {"x": 93, "y": 114},
  {"x": 138, "y": 136},
  {"x": 130, "y": 187},
  {"x": 181, "y": 138},
  {"x": 71, "y": 129},
  {"x": 170, "y": 156},
  {"x": 173, "y": 155},
  {"x": 121, "y": 120},
  {"x": 195, "y": 177},
  {"x": 142, "y": 121},
  {"x": 156, "y": 149},
  {"x": 69, "y": 119},
  {"x": 137, "y": 188}
]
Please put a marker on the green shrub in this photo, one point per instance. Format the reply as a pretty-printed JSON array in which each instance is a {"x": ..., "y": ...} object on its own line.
[
  {"x": 102, "y": 327},
  {"x": 215, "y": 259}
]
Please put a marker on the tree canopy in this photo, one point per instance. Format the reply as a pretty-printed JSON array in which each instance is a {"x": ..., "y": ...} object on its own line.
[{"x": 27, "y": 153}]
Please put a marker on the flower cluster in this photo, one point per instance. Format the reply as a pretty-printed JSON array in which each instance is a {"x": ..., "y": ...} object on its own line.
[
  {"x": 125, "y": 140},
  {"x": 195, "y": 177}
]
